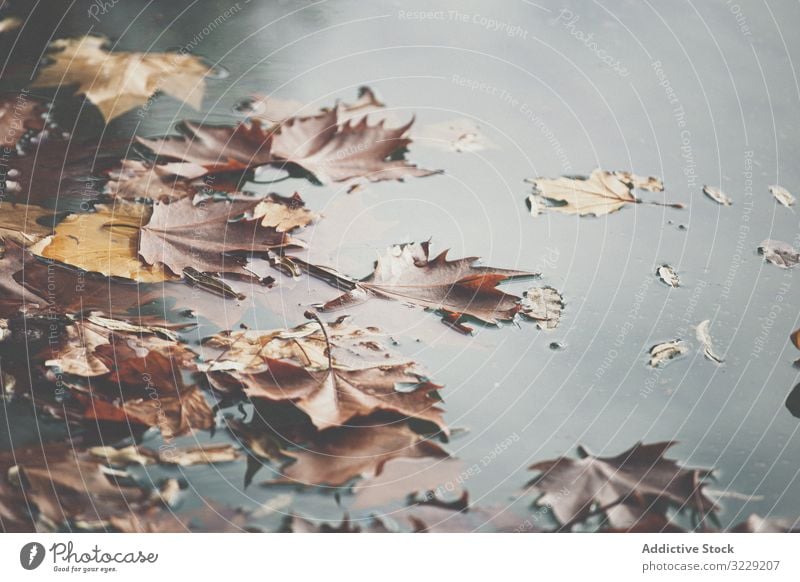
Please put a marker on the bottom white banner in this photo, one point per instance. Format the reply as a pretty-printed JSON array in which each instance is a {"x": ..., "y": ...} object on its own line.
[{"x": 335, "y": 557}]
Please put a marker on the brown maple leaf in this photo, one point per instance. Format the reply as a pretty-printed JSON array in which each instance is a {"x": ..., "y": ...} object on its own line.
[
  {"x": 117, "y": 82},
  {"x": 204, "y": 236},
  {"x": 330, "y": 394},
  {"x": 454, "y": 288},
  {"x": 336, "y": 153},
  {"x": 135, "y": 180},
  {"x": 626, "y": 488}
]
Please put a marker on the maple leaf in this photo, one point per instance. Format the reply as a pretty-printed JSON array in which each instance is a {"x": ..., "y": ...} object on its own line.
[
  {"x": 331, "y": 151},
  {"x": 336, "y": 153},
  {"x": 284, "y": 213},
  {"x": 338, "y": 455},
  {"x": 217, "y": 148},
  {"x": 21, "y": 223},
  {"x": 118, "y": 82},
  {"x": 135, "y": 180},
  {"x": 454, "y": 288},
  {"x": 105, "y": 241},
  {"x": 626, "y": 488},
  {"x": 329, "y": 395},
  {"x": 203, "y": 236},
  {"x": 600, "y": 193}
]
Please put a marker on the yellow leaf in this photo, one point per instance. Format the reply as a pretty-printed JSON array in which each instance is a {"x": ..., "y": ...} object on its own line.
[
  {"x": 19, "y": 222},
  {"x": 106, "y": 241},
  {"x": 118, "y": 82}
]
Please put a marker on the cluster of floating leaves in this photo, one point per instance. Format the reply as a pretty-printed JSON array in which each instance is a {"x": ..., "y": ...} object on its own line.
[{"x": 334, "y": 405}]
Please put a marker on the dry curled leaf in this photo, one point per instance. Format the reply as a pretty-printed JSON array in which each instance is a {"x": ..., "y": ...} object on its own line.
[
  {"x": 135, "y": 180},
  {"x": 626, "y": 489},
  {"x": 454, "y": 288},
  {"x": 779, "y": 253},
  {"x": 117, "y": 82},
  {"x": 662, "y": 353},
  {"x": 704, "y": 337},
  {"x": 668, "y": 276},
  {"x": 782, "y": 195},
  {"x": 105, "y": 241},
  {"x": 600, "y": 193},
  {"x": 205, "y": 236},
  {"x": 717, "y": 195},
  {"x": 543, "y": 305}
]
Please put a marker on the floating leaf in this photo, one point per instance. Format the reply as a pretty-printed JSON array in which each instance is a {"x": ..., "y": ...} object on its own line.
[
  {"x": 284, "y": 213},
  {"x": 704, "y": 337},
  {"x": 626, "y": 489},
  {"x": 543, "y": 305},
  {"x": 668, "y": 275},
  {"x": 779, "y": 253},
  {"x": 118, "y": 82},
  {"x": 782, "y": 195},
  {"x": 660, "y": 354},
  {"x": 105, "y": 241},
  {"x": 717, "y": 195},
  {"x": 454, "y": 288},
  {"x": 600, "y": 193}
]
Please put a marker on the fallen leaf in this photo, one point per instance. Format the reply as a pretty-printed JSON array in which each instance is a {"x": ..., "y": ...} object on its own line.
[
  {"x": 543, "y": 305},
  {"x": 335, "y": 153},
  {"x": 21, "y": 222},
  {"x": 217, "y": 148},
  {"x": 454, "y": 288},
  {"x": 105, "y": 241},
  {"x": 117, "y": 82},
  {"x": 202, "y": 236},
  {"x": 668, "y": 276},
  {"x": 717, "y": 195},
  {"x": 457, "y": 135},
  {"x": 626, "y": 489},
  {"x": 704, "y": 337},
  {"x": 779, "y": 253},
  {"x": 199, "y": 455},
  {"x": 795, "y": 337},
  {"x": 14, "y": 297},
  {"x": 284, "y": 213},
  {"x": 660, "y": 354},
  {"x": 600, "y": 193},
  {"x": 782, "y": 195},
  {"x": 338, "y": 455}
]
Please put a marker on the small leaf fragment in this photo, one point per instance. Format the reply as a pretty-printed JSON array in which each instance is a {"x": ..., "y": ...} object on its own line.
[
  {"x": 717, "y": 195},
  {"x": 782, "y": 195},
  {"x": 779, "y": 253},
  {"x": 668, "y": 275},
  {"x": 662, "y": 353},
  {"x": 543, "y": 305},
  {"x": 704, "y": 337}
]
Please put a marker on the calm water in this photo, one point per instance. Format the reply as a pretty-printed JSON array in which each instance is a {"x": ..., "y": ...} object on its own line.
[{"x": 695, "y": 94}]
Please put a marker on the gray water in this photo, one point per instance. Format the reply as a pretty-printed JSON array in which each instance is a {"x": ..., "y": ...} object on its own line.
[{"x": 720, "y": 109}]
